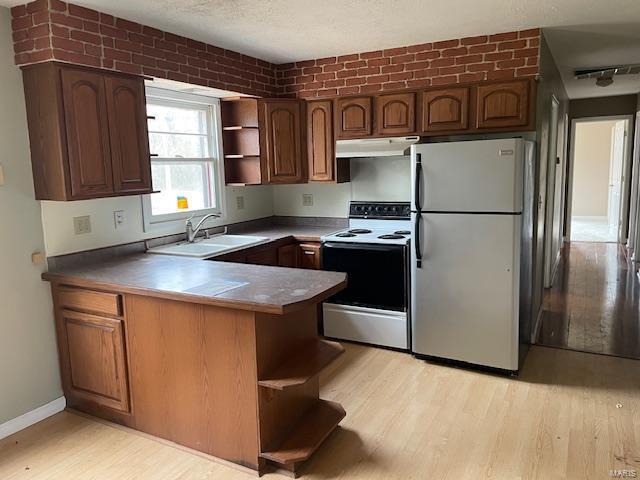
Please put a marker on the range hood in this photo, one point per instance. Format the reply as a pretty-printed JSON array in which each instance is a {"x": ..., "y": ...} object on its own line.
[{"x": 374, "y": 147}]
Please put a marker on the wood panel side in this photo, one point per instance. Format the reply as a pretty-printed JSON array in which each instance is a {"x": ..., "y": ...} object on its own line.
[
  {"x": 47, "y": 136},
  {"x": 193, "y": 376}
]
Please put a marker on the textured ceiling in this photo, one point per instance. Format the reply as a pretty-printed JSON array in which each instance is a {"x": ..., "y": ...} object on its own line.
[
  {"x": 599, "y": 45},
  {"x": 288, "y": 30}
]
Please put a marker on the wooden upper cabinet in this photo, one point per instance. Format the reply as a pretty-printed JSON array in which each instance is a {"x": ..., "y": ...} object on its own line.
[
  {"x": 87, "y": 130},
  {"x": 281, "y": 141},
  {"x": 445, "y": 110},
  {"x": 126, "y": 108},
  {"x": 353, "y": 117},
  {"x": 320, "y": 142},
  {"x": 395, "y": 114},
  {"x": 94, "y": 360},
  {"x": 503, "y": 104}
]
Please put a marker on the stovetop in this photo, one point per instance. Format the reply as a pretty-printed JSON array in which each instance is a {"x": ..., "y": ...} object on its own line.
[{"x": 376, "y": 222}]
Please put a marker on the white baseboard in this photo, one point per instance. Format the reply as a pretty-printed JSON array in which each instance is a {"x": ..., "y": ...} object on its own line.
[{"x": 34, "y": 416}]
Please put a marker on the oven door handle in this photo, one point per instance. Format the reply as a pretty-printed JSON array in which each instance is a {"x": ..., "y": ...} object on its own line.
[
  {"x": 416, "y": 240},
  {"x": 362, "y": 246}
]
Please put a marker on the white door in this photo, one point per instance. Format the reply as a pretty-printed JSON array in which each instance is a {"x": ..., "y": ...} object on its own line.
[
  {"x": 470, "y": 176},
  {"x": 465, "y": 294},
  {"x": 615, "y": 177}
]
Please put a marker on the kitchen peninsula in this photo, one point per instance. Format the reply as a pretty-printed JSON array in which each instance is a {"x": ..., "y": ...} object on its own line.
[{"x": 220, "y": 357}]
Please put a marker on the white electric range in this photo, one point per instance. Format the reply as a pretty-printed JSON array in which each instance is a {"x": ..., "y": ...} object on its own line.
[{"x": 373, "y": 251}]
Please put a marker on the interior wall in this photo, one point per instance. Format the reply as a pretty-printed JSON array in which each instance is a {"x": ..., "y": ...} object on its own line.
[
  {"x": 591, "y": 170},
  {"x": 603, "y": 106},
  {"x": 29, "y": 376},
  {"x": 549, "y": 85},
  {"x": 60, "y": 238},
  {"x": 374, "y": 179}
]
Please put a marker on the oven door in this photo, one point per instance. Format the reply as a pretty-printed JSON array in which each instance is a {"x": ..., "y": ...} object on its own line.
[{"x": 376, "y": 274}]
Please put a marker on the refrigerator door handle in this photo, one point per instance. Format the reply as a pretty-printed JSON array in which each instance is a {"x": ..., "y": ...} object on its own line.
[
  {"x": 418, "y": 246},
  {"x": 416, "y": 186}
]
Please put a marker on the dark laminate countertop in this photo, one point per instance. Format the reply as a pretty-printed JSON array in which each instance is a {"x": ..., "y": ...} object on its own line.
[
  {"x": 233, "y": 285},
  {"x": 301, "y": 233}
]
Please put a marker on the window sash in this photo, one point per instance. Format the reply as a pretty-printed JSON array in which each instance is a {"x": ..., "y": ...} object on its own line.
[{"x": 215, "y": 186}]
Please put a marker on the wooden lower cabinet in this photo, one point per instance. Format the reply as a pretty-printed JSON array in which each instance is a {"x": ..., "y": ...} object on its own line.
[
  {"x": 309, "y": 256},
  {"x": 93, "y": 359},
  {"x": 233, "y": 383},
  {"x": 288, "y": 255},
  {"x": 285, "y": 253},
  {"x": 267, "y": 256}
]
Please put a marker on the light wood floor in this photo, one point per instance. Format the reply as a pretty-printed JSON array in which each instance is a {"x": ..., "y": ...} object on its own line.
[
  {"x": 594, "y": 303},
  {"x": 569, "y": 415}
]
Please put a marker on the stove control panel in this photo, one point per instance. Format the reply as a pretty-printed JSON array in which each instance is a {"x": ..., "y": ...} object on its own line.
[{"x": 390, "y": 210}]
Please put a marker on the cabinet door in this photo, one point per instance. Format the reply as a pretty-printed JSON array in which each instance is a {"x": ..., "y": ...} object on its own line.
[
  {"x": 444, "y": 110},
  {"x": 320, "y": 143},
  {"x": 87, "y": 131},
  {"x": 263, "y": 257},
  {"x": 503, "y": 104},
  {"x": 353, "y": 117},
  {"x": 281, "y": 137},
  {"x": 288, "y": 256},
  {"x": 94, "y": 362},
  {"x": 126, "y": 108},
  {"x": 395, "y": 114},
  {"x": 309, "y": 256}
]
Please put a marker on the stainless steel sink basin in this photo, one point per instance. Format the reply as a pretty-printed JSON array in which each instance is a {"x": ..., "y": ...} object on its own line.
[{"x": 210, "y": 247}]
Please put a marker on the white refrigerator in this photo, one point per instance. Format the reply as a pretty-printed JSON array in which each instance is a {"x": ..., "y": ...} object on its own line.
[{"x": 471, "y": 257}]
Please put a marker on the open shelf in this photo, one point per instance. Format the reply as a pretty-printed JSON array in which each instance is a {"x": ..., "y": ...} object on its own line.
[
  {"x": 241, "y": 170},
  {"x": 241, "y": 141},
  {"x": 239, "y": 112},
  {"x": 308, "y": 435},
  {"x": 237, "y": 127},
  {"x": 303, "y": 366}
]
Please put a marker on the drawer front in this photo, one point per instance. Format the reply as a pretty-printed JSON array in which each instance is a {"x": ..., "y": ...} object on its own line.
[{"x": 90, "y": 301}]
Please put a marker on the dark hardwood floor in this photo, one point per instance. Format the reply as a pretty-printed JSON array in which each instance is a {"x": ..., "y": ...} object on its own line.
[{"x": 593, "y": 305}]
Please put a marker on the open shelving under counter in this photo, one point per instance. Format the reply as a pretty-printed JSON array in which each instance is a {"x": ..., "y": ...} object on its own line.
[
  {"x": 307, "y": 436},
  {"x": 303, "y": 366}
]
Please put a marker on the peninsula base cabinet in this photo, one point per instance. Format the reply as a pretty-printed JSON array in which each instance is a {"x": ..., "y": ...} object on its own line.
[{"x": 237, "y": 384}]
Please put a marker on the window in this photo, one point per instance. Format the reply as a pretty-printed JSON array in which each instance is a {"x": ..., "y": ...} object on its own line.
[{"x": 185, "y": 168}]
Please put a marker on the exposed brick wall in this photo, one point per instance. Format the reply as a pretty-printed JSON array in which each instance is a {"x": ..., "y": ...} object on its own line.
[
  {"x": 55, "y": 30},
  {"x": 471, "y": 59}
]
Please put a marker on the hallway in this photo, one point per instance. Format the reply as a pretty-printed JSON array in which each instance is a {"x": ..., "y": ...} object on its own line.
[{"x": 593, "y": 305}]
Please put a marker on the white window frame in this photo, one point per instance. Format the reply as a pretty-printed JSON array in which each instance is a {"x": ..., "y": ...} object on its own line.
[{"x": 175, "y": 221}]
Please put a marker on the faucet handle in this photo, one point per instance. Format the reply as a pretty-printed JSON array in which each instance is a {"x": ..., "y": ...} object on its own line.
[{"x": 190, "y": 218}]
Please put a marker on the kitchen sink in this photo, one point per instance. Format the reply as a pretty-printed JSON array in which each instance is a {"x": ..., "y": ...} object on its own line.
[
  {"x": 209, "y": 247},
  {"x": 233, "y": 240}
]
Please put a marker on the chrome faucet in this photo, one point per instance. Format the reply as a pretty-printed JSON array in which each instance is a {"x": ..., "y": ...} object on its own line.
[{"x": 192, "y": 231}]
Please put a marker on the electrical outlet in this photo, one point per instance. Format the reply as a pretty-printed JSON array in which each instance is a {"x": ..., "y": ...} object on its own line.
[
  {"x": 82, "y": 225},
  {"x": 119, "y": 218},
  {"x": 307, "y": 200},
  {"x": 1, "y": 175},
  {"x": 240, "y": 202}
]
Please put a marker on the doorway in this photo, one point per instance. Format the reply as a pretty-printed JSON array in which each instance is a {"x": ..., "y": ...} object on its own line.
[{"x": 597, "y": 207}]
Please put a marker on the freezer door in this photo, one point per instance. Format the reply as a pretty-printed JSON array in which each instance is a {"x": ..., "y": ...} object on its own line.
[
  {"x": 464, "y": 295},
  {"x": 471, "y": 176}
]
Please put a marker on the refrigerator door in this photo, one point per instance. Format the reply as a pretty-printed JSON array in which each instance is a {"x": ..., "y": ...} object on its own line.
[
  {"x": 473, "y": 176},
  {"x": 465, "y": 294}
]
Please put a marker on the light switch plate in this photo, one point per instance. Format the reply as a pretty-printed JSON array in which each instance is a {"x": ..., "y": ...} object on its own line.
[
  {"x": 240, "y": 202},
  {"x": 307, "y": 200},
  {"x": 1, "y": 175},
  {"x": 82, "y": 225},
  {"x": 119, "y": 219}
]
